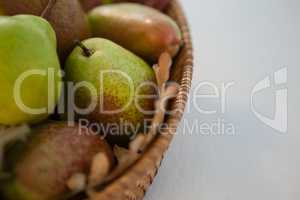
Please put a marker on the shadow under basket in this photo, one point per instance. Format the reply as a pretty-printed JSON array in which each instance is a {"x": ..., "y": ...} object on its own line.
[{"x": 134, "y": 182}]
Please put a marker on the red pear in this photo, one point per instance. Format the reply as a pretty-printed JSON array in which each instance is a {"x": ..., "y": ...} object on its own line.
[{"x": 142, "y": 30}]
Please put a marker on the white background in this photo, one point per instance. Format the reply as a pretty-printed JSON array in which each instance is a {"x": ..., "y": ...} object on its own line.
[{"x": 242, "y": 41}]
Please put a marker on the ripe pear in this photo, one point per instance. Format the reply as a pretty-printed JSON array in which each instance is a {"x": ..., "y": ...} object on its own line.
[
  {"x": 67, "y": 18},
  {"x": 28, "y": 58},
  {"x": 53, "y": 153},
  {"x": 121, "y": 81},
  {"x": 140, "y": 29}
]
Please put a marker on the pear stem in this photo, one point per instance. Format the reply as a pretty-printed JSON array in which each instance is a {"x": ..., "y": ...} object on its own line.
[
  {"x": 48, "y": 8},
  {"x": 88, "y": 52}
]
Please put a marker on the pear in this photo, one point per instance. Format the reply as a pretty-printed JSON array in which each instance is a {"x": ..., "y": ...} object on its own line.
[
  {"x": 120, "y": 79},
  {"x": 66, "y": 17},
  {"x": 140, "y": 29},
  {"x": 28, "y": 58},
  {"x": 54, "y": 152}
]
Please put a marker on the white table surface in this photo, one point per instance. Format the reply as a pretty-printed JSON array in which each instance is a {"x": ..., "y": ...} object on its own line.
[{"x": 239, "y": 41}]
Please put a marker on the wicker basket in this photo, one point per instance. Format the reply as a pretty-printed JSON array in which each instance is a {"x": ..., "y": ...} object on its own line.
[{"x": 133, "y": 184}]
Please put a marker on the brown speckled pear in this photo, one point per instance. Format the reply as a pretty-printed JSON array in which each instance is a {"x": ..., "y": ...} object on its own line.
[
  {"x": 121, "y": 81},
  {"x": 66, "y": 16},
  {"x": 53, "y": 154}
]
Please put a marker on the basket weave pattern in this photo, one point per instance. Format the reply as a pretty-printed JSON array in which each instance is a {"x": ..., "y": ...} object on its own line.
[{"x": 133, "y": 184}]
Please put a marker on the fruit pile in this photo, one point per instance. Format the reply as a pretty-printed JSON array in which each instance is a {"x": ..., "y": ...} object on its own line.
[{"x": 79, "y": 99}]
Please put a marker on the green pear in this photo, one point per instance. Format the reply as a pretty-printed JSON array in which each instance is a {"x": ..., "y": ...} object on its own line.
[
  {"x": 66, "y": 16},
  {"x": 54, "y": 152},
  {"x": 27, "y": 59},
  {"x": 140, "y": 29},
  {"x": 120, "y": 79}
]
